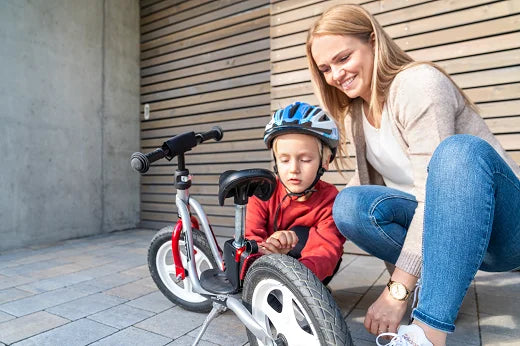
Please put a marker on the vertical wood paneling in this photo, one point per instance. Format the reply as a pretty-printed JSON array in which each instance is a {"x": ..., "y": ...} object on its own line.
[
  {"x": 476, "y": 41},
  {"x": 203, "y": 63}
]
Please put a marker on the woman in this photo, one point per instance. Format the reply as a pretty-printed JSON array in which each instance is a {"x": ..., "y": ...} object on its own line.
[{"x": 434, "y": 192}]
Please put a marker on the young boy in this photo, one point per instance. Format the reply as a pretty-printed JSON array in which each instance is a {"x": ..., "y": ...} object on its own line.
[{"x": 297, "y": 219}]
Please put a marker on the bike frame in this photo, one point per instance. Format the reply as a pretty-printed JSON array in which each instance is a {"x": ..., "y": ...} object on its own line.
[{"x": 184, "y": 202}]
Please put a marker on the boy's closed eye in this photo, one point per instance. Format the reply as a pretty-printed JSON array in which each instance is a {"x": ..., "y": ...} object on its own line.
[{"x": 302, "y": 158}]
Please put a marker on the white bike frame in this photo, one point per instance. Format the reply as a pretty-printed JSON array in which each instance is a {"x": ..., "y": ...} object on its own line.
[{"x": 183, "y": 202}]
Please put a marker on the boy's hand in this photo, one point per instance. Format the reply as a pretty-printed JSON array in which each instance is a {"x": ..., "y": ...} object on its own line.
[{"x": 280, "y": 242}]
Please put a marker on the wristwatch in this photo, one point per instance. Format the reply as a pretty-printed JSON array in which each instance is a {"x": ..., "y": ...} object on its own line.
[{"x": 398, "y": 290}]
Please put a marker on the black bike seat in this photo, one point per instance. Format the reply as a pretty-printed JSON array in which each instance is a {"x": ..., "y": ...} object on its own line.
[{"x": 245, "y": 183}]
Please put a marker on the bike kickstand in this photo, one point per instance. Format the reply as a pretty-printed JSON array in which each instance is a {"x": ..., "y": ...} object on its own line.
[{"x": 217, "y": 309}]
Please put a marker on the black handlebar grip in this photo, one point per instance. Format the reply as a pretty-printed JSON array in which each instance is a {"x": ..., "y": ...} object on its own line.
[
  {"x": 215, "y": 133},
  {"x": 141, "y": 162}
]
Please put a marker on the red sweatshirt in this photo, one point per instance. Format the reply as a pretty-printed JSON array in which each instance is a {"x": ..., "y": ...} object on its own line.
[{"x": 324, "y": 246}]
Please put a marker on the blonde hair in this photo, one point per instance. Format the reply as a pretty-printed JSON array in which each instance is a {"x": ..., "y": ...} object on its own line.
[
  {"x": 323, "y": 150},
  {"x": 389, "y": 60}
]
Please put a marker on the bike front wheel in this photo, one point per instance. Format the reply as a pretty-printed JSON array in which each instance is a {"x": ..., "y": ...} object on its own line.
[
  {"x": 162, "y": 268},
  {"x": 292, "y": 305}
]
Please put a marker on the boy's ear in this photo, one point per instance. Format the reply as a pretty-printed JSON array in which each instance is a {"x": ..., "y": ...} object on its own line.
[{"x": 325, "y": 164}]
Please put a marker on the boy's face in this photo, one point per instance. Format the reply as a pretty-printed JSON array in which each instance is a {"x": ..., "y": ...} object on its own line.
[{"x": 298, "y": 159}]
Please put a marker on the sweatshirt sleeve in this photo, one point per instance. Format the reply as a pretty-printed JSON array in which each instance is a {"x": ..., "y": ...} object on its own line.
[
  {"x": 256, "y": 220},
  {"x": 324, "y": 246},
  {"x": 425, "y": 104}
]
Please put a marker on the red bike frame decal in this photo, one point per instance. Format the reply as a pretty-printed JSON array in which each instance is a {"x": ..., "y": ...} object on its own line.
[
  {"x": 176, "y": 234},
  {"x": 239, "y": 252},
  {"x": 194, "y": 222},
  {"x": 247, "y": 263}
]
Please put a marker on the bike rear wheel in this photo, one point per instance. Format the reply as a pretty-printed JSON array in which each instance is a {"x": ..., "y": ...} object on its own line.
[
  {"x": 162, "y": 268},
  {"x": 291, "y": 304}
]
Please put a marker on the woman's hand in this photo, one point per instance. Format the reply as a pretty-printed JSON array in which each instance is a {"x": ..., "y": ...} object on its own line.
[
  {"x": 385, "y": 314},
  {"x": 279, "y": 242}
]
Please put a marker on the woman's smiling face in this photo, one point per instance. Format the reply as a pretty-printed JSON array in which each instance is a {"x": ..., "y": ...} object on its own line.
[{"x": 346, "y": 62}]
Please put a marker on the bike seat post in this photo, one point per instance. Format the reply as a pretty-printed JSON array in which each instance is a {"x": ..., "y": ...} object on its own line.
[{"x": 240, "y": 217}]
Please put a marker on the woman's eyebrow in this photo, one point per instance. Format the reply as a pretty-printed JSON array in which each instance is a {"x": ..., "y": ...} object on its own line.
[
  {"x": 340, "y": 53},
  {"x": 322, "y": 66}
]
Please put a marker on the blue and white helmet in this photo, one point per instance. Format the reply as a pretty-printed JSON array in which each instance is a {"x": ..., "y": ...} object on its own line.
[{"x": 301, "y": 117}]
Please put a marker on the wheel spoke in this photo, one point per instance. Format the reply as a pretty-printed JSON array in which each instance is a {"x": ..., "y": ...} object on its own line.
[
  {"x": 287, "y": 305},
  {"x": 198, "y": 263},
  {"x": 276, "y": 318},
  {"x": 290, "y": 327},
  {"x": 298, "y": 336},
  {"x": 187, "y": 285},
  {"x": 170, "y": 268}
]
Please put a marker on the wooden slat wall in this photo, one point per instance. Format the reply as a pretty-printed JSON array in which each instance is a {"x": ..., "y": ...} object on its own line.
[
  {"x": 476, "y": 41},
  {"x": 203, "y": 63},
  {"x": 231, "y": 63}
]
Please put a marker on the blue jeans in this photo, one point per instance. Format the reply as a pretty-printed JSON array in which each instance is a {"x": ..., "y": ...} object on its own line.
[{"x": 471, "y": 222}]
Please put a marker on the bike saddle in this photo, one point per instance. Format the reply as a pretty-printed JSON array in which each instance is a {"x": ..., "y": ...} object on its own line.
[{"x": 245, "y": 183}]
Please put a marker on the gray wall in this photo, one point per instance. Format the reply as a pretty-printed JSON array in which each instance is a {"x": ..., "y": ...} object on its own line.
[{"x": 69, "y": 119}]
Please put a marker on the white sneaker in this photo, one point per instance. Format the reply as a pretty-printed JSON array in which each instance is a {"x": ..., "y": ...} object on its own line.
[{"x": 411, "y": 335}]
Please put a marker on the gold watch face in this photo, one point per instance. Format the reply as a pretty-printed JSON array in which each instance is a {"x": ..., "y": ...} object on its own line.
[{"x": 397, "y": 290}]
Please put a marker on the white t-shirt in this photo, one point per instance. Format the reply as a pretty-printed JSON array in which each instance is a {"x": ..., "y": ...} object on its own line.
[{"x": 386, "y": 155}]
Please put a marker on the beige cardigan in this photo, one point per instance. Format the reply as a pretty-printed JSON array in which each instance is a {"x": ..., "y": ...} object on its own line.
[{"x": 423, "y": 108}]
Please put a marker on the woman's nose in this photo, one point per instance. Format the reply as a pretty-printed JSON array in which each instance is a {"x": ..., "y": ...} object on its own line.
[{"x": 337, "y": 73}]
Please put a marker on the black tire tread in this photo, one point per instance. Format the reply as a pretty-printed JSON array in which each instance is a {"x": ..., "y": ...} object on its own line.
[{"x": 294, "y": 274}]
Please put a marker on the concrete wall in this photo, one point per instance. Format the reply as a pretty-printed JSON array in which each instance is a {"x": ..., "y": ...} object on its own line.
[{"x": 69, "y": 119}]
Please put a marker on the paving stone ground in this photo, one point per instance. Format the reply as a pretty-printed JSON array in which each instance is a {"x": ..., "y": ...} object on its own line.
[{"x": 97, "y": 291}]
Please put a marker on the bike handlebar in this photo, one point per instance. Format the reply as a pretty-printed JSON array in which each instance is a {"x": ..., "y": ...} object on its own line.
[
  {"x": 141, "y": 162},
  {"x": 173, "y": 147},
  {"x": 215, "y": 133}
]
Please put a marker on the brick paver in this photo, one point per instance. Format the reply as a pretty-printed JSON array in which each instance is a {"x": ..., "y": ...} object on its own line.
[
  {"x": 42, "y": 301},
  {"x": 29, "y": 325},
  {"x": 97, "y": 291},
  {"x": 121, "y": 316},
  {"x": 155, "y": 302},
  {"x": 173, "y": 323},
  {"x": 5, "y": 317},
  {"x": 86, "y": 306},
  {"x": 132, "y": 336},
  {"x": 80, "y": 332},
  {"x": 13, "y": 293}
]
